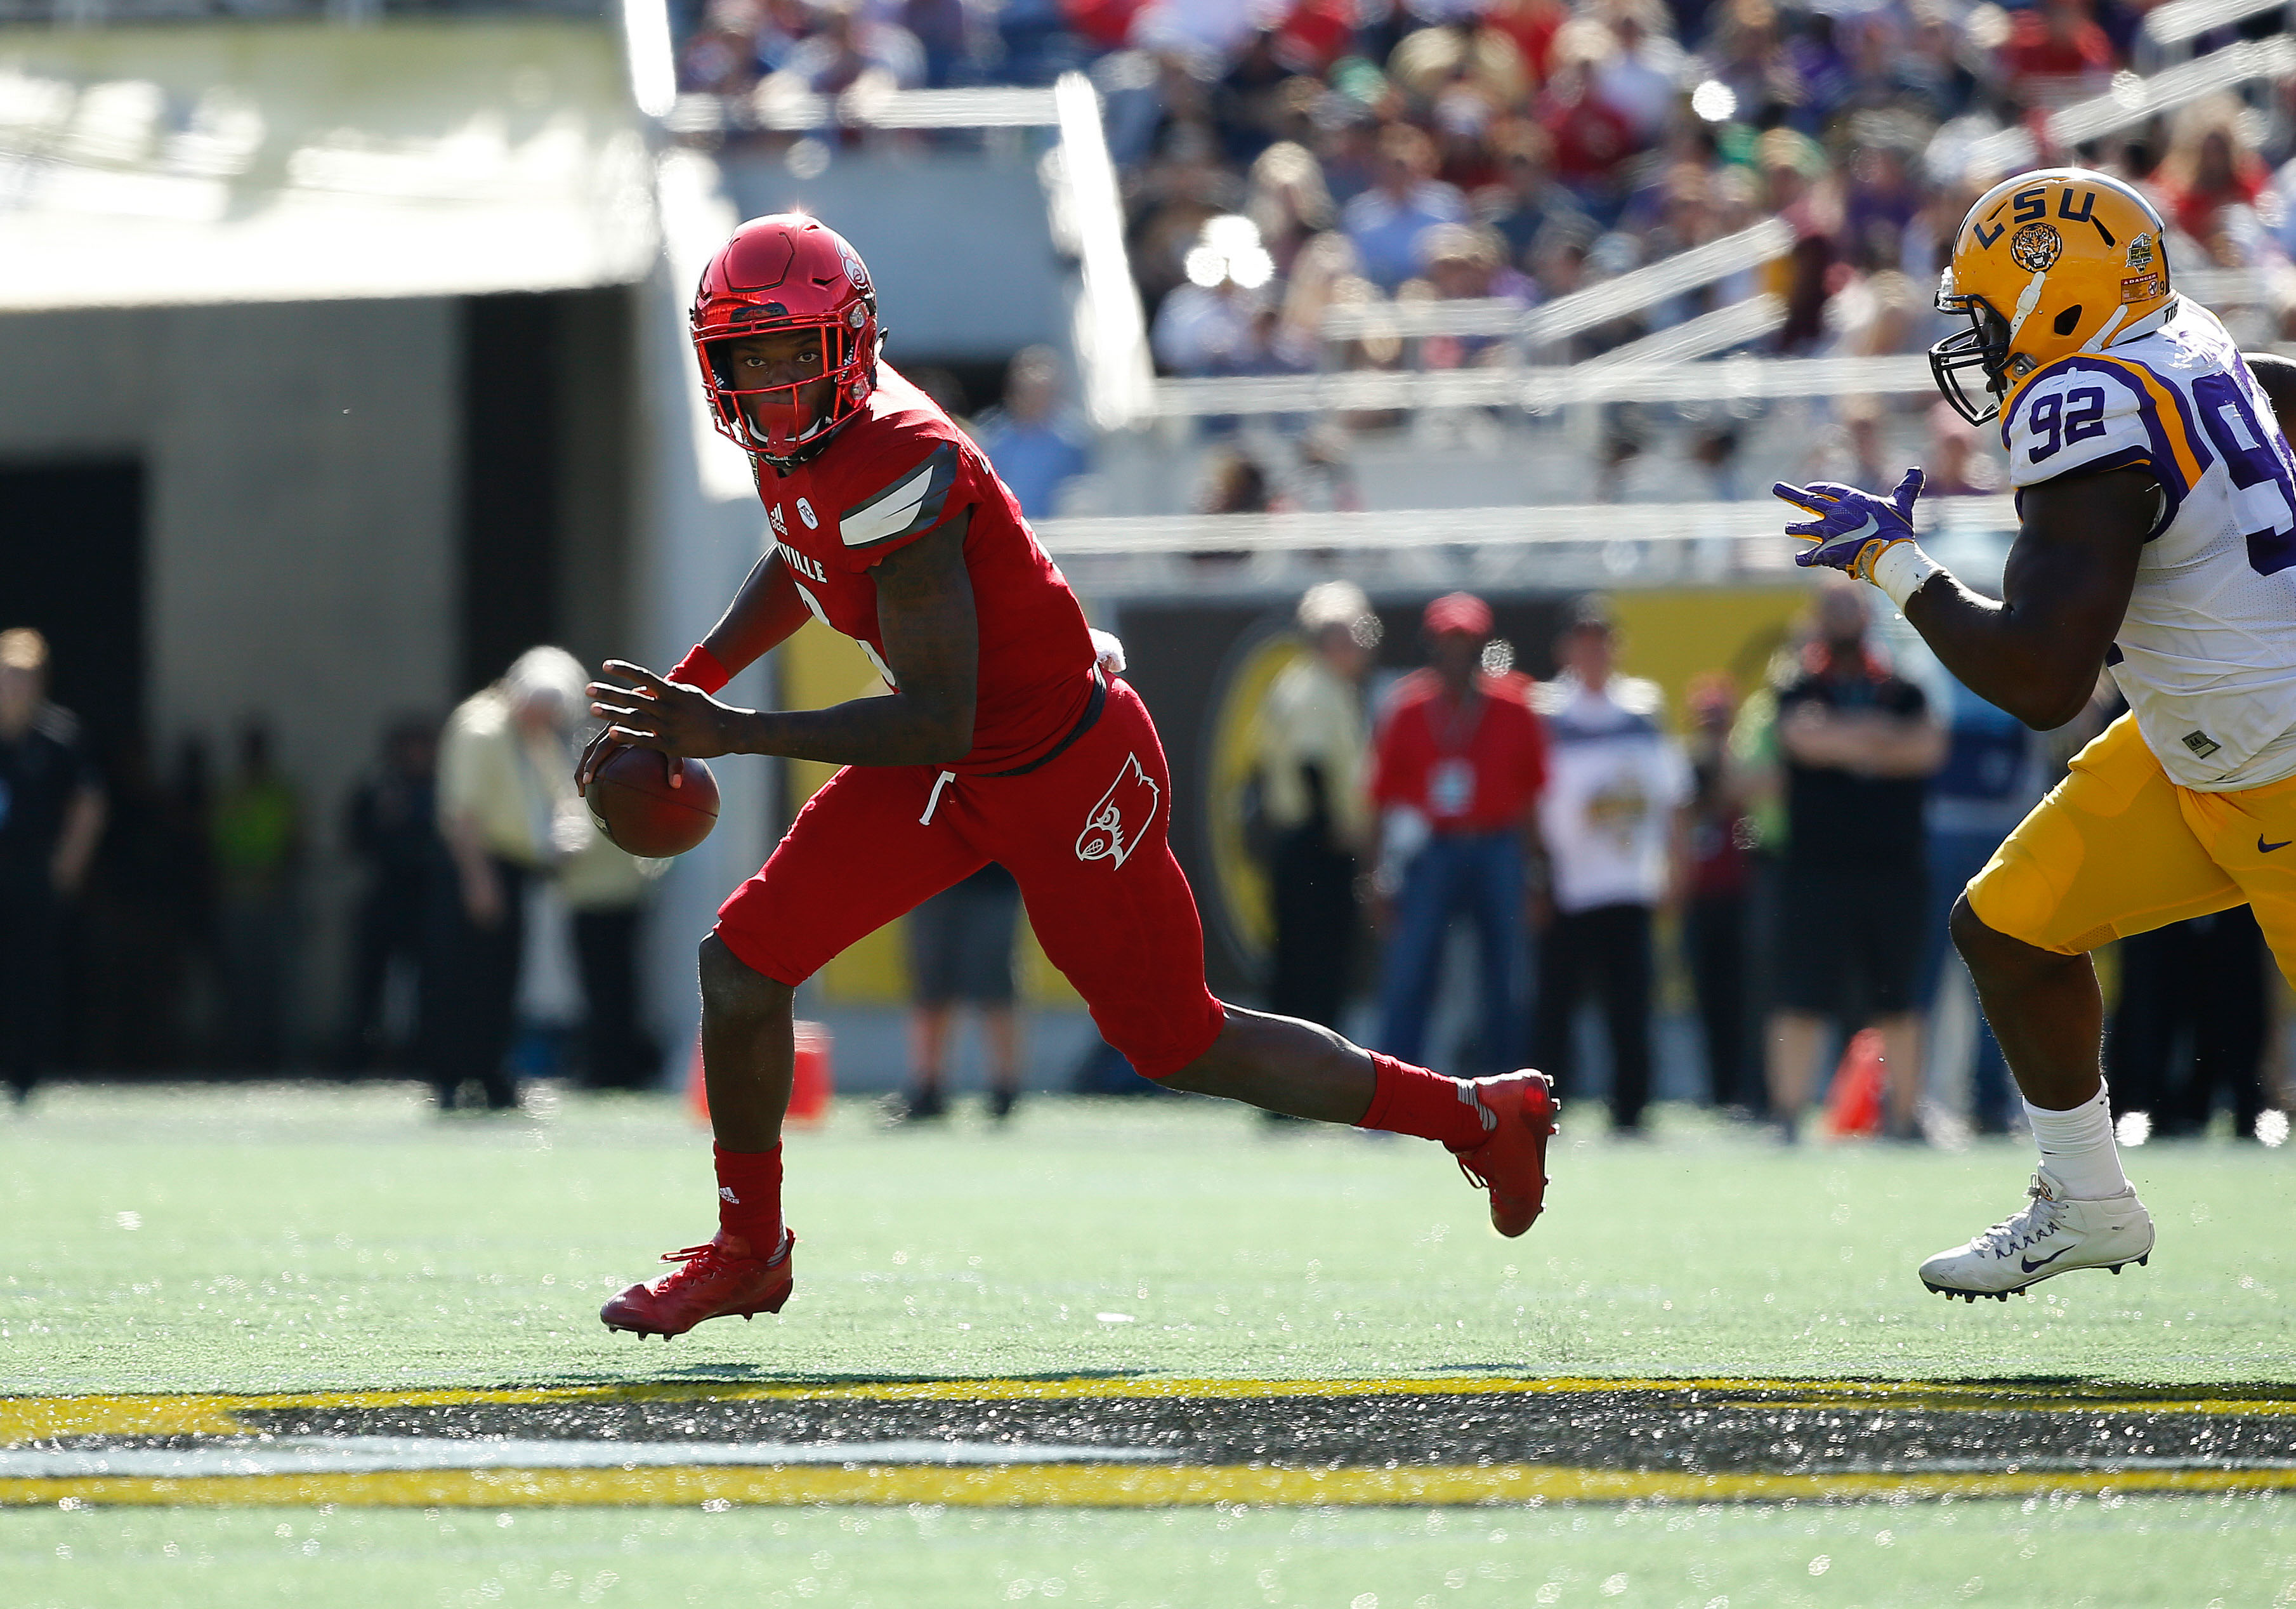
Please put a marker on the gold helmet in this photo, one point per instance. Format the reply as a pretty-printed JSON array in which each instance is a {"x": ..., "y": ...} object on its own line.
[{"x": 2047, "y": 263}]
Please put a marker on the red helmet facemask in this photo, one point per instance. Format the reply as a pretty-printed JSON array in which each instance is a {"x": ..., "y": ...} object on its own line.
[{"x": 786, "y": 272}]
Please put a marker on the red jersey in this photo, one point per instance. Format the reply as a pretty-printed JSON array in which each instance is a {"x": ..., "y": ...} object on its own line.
[
  {"x": 899, "y": 469},
  {"x": 1479, "y": 772}
]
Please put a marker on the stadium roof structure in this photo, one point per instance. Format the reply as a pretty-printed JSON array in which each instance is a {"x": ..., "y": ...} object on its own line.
[{"x": 263, "y": 161}]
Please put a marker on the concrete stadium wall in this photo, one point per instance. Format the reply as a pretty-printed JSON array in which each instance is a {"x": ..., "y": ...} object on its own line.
[
  {"x": 960, "y": 243},
  {"x": 301, "y": 462}
]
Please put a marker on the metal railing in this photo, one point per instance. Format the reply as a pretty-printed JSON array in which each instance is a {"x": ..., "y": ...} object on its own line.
[
  {"x": 2133, "y": 100},
  {"x": 2182, "y": 20},
  {"x": 1538, "y": 390},
  {"x": 1398, "y": 530}
]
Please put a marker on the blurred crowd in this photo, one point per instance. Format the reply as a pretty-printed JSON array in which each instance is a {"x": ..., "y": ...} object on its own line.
[
  {"x": 1284, "y": 158},
  {"x": 1778, "y": 865},
  {"x": 164, "y": 922}
]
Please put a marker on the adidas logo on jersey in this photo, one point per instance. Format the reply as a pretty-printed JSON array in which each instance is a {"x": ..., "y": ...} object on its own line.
[{"x": 773, "y": 517}]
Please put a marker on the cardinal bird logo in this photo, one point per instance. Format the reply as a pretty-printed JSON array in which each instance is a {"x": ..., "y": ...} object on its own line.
[{"x": 1122, "y": 817}]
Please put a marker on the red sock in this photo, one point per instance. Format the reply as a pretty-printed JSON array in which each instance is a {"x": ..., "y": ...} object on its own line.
[
  {"x": 1412, "y": 1100},
  {"x": 750, "y": 1197}
]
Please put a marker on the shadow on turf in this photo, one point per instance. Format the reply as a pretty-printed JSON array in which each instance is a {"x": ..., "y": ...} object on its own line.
[
  {"x": 2013, "y": 1390},
  {"x": 759, "y": 1375}
]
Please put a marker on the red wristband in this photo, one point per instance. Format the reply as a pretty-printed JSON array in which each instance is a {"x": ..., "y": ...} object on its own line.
[{"x": 700, "y": 669}]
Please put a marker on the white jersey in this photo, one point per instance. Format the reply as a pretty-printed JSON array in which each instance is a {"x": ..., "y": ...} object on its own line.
[
  {"x": 1615, "y": 780},
  {"x": 2206, "y": 655}
]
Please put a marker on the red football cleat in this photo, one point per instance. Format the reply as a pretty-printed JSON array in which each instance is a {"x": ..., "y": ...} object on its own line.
[
  {"x": 710, "y": 1284},
  {"x": 1511, "y": 1162}
]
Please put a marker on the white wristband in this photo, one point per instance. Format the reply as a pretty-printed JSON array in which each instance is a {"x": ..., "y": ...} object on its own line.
[{"x": 1901, "y": 569}]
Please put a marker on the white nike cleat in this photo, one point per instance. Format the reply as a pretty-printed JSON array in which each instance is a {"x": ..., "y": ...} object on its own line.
[{"x": 2053, "y": 1236}]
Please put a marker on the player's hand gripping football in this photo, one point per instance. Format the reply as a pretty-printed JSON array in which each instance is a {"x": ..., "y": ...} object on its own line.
[
  {"x": 667, "y": 717},
  {"x": 1853, "y": 529}
]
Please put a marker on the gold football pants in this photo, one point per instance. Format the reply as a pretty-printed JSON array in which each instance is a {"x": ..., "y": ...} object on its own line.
[{"x": 2118, "y": 849}]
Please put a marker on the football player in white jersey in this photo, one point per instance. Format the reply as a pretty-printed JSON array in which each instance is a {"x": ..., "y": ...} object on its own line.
[{"x": 2157, "y": 502}]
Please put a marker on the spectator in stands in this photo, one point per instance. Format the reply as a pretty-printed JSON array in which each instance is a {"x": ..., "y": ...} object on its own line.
[
  {"x": 2056, "y": 54},
  {"x": 851, "y": 49},
  {"x": 51, "y": 814},
  {"x": 1219, "y": 322},
  {"x": 1288, "y": 201},
  {"x": 1526, "y": 199},
  {"x": 1796, "y": 174},
  {"x": 1385, "y": 221},
  {"x": 1457, "y": 765},
  {"x": 1466, "y": 59},
  {"x": 256, "y": 829},
  {"x": 1463, "y": 262},
  {"x": 1612, "y": 823},
  {"x": 1591, "y": 138},
  {"x": 1958, "y": 464},
  {"x": 1312, "y": 761},
  {"x": 1638, "y": 77},
  {"x": 2209, "y": 182},
  {"x": 1859, "y": 744},
  {"x": 391, "y": 826},
  {"x": 943, "y": 31},
  {"x": 1251, "y": 102},
  {"x": 720, "y": 57},
  {"x": 1035, "y": 448},
  {"x": 960, "y": 952},
  {"x": 1323, "y": 277},
  {"x": 1717, "y": 917},
  {"x": 1235, "y": 483},
  {"x": 505, "y": 767}
]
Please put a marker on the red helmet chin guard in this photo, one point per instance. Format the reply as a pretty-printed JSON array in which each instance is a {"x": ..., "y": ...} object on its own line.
[{"x": 780, "y": 273}]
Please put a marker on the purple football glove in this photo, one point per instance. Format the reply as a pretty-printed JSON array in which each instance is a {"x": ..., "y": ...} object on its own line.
[{"x": 1853, "y": 529}]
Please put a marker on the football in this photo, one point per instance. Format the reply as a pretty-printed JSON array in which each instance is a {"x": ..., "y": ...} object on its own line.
[{"x": 633, "y": 804}]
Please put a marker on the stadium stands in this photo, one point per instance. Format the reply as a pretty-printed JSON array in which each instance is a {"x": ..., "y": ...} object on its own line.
[{"x": 1616, "y": 194}]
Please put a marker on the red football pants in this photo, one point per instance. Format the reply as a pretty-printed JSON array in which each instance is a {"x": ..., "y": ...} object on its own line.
[{"x": 1084, "y": 835}]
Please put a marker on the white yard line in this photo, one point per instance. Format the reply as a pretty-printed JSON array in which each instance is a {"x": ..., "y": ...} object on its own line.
[{"x": 372, "y": 1454}]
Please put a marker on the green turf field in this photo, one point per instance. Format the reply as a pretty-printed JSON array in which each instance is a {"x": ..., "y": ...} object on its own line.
[{"x": 299, "y": 1241}]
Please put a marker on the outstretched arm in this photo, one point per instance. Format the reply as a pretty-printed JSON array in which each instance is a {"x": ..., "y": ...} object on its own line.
[
  {"x": 763, "y": 616},
  {"x": 2037, "y": 652},
  {"x": 932, "y": 645}
]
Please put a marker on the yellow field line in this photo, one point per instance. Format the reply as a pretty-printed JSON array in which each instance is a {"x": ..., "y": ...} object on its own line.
[
  {"x": 1092, "y": 1486},
  {"x": 44, "y": 1418}
]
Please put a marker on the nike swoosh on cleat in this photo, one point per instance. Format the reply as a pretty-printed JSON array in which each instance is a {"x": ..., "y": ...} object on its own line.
[
  {"x": 2263, "y": 848},
  {"x": 2030, "y": 1265}
]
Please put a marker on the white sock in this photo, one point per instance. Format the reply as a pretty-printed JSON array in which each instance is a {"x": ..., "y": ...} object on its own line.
[{"x": 2078, "y": 1147}]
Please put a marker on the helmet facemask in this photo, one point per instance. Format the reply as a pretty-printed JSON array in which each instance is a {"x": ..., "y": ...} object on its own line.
[
  {"x": 1984, "y": 345},
  {"x": 773, "y": 421}
]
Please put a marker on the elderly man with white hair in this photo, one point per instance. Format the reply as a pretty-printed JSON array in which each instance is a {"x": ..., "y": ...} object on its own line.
[
  {"x": 505, "y": 778},
  {"x": 1312, "y": 745}
]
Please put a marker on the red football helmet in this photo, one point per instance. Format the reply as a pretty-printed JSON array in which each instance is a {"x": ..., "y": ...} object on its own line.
[{"x": 785, "y": 272}]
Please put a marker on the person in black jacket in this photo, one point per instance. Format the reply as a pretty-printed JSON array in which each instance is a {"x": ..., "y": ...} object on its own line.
[
  {"x": 392, "y": 826},
  {"x": 52, "y": 809}
]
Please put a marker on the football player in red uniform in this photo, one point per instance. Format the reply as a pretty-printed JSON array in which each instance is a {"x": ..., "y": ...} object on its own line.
[{"x": 1004, "y": 740}]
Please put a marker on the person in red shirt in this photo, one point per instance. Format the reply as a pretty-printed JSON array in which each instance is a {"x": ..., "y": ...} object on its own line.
[
  {"x": 1458, "y": 764},
  {"x": 2056, "y": 51},
  {"x": 1006, "y": 737}
]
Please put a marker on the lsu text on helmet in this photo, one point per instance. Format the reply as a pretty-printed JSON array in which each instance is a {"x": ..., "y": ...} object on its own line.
[
  {"x": 785, "y": 273},
  {"x": 2051, "y": 262}
]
